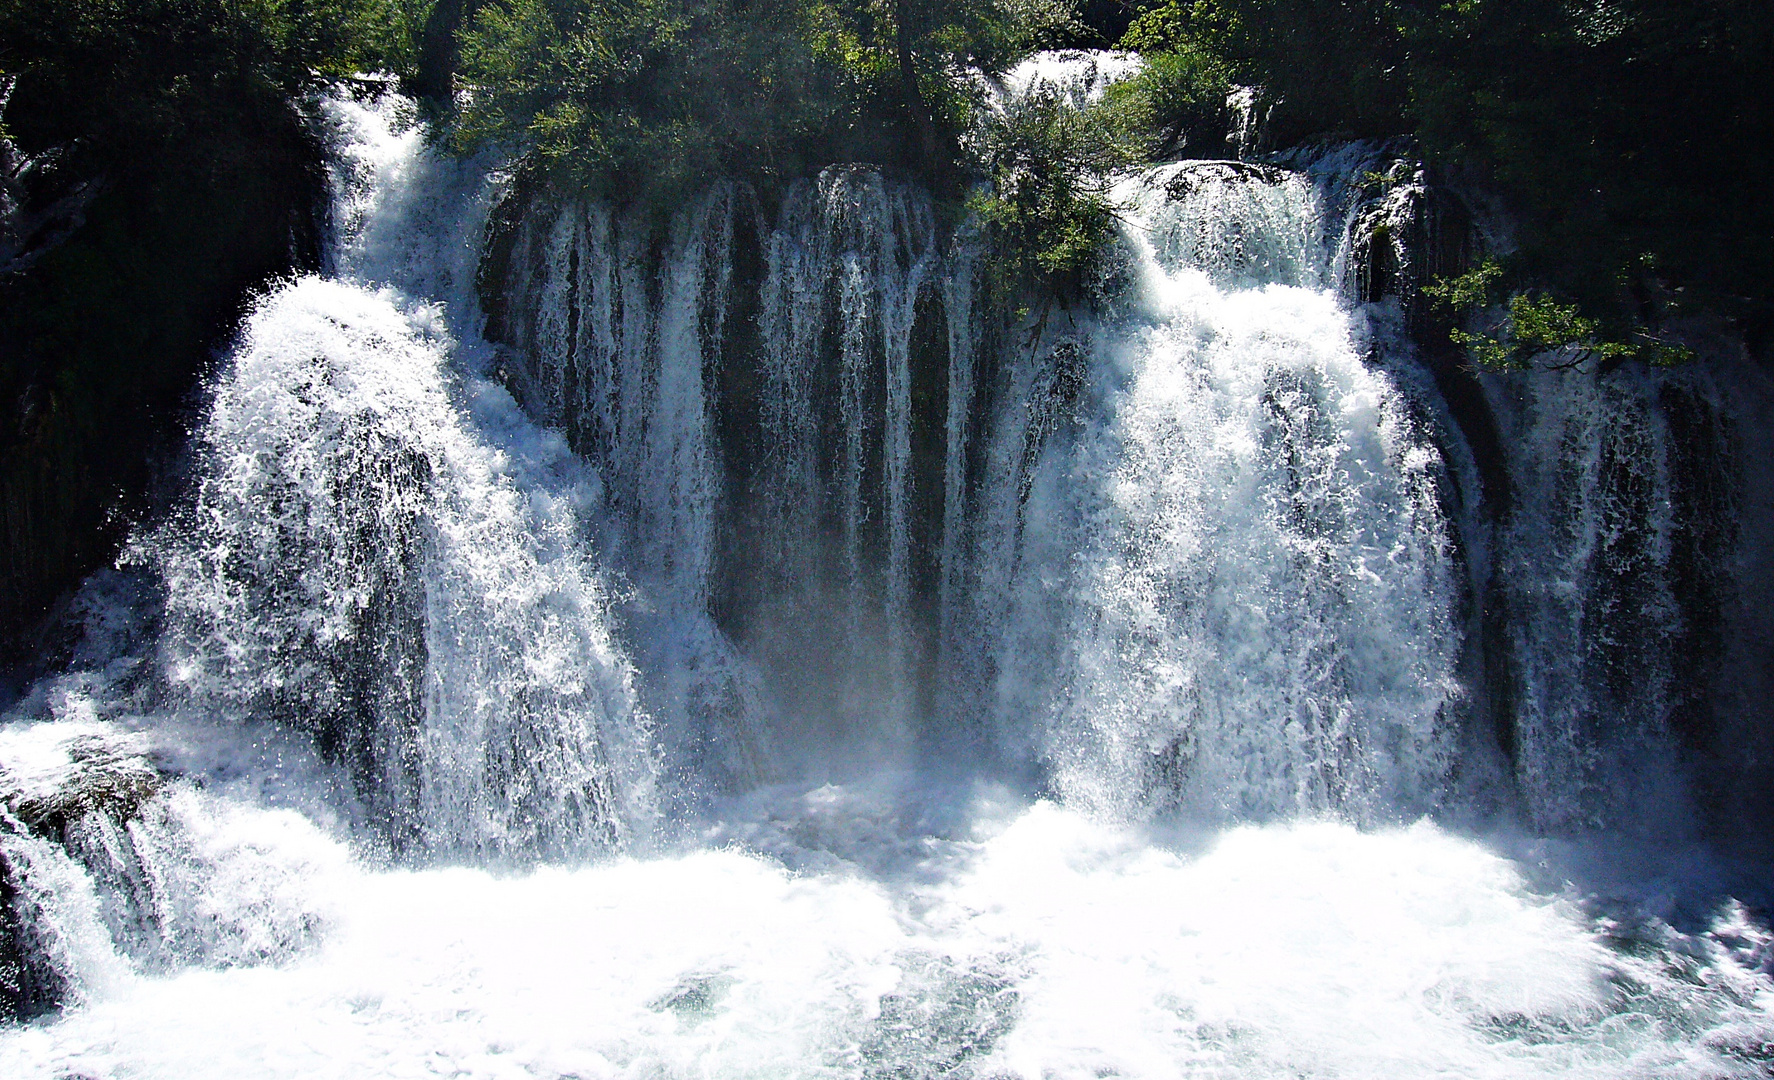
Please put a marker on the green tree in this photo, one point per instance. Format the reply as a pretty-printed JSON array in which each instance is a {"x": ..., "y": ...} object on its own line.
[{"x": 642, "y": 99}]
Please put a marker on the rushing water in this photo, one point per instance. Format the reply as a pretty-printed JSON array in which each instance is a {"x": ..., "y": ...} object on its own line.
[{"x": 765, "y": 660}]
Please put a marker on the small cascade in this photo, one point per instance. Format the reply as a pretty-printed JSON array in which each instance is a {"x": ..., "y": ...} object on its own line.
[
  {"x": 855, "y": 332},
  {"x": 378, "y": 552},
  {"x": 621, "y": 358},
  {"x": 1242, "y": 225},
  {"x": 111, "y": 868},
  {"x": 1613, "y": 575},
  {"x": 54, "y": 946},
  {"x": 371, "y": 554},
  {"x": 619, "y": 343},
  {"x": 1076, "y": 76}
]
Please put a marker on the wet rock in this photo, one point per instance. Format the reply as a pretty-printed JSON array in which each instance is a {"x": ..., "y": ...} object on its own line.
[{"x": 52, "y": 777}]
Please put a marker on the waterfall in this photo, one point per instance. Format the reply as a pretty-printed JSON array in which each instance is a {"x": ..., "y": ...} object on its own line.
[
  {"x": 1219, "y": 547},
  {"x": 625, "y": 361},
  {"x": 379, "y": 550},
  {"x": 585, "y": 641},
  {"x": 1618, "y": 572},
  {"x": 1214, "y": 574},
  {"x": 363, "y": 556}
]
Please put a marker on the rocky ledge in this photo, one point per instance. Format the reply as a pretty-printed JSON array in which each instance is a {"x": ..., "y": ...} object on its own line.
[{"x": 53, "y": 776}]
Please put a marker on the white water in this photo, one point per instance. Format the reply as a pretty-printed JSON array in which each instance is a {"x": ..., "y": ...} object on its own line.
[
  {"x": 1078, "y": 76},
  {"x": 1037, "y": 944},
  {"x": 362, "y": 507},
  {"x": 1199, "y": 575}
]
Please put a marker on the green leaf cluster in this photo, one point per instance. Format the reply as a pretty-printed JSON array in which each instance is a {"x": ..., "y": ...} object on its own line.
[
  {"x": 1176, "y": 105},
  {"x": 1052, "y": 165},
  {"x": 1469, "y": 291},
  {"x": 1541, "y": 326},
  {"x": 645, "y": 98},
  {"x": 1048, "y": 203},
  {"x": 643, "y": 101}
]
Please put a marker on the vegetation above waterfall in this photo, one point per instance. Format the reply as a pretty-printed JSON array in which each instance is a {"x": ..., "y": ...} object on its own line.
[
  {"x": 1624, "y": 136},
  {"x": 644, "y": 100},
  {"x": 639, "y": 99},
  {"x": 1619, "y": 134}
]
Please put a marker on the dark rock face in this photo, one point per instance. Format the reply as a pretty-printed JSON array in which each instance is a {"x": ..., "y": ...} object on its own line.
[
  {"x": 104, "y": 774},
  {"x": 104, "y": 339},
  {"x": 1649, "y": 506},
  {"x": 38, "y": 207}
]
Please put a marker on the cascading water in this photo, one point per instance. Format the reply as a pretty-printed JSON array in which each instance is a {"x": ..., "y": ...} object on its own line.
[
  {"x": 767, "y": 659},
  {"x": 361, "y": 559},
  {"x": 1219, "y": 568},
  {"x": 624, "y": 362},
  {"x": 1623, "y": 566},
  {"x": 765, "y": 432}
]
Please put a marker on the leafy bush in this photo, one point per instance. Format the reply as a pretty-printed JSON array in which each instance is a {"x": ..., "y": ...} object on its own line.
[
  {"x": 1177, "y": 104},
  {"x": 1051, "y": 167},
  {"x": 1338, "y": 65},
  {"x": 643, "y": 99}
]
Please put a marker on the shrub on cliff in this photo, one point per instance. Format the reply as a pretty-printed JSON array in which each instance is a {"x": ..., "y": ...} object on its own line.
[
  {"x": 644, "y": 99},
  {"x": 1048, "y": 206}
]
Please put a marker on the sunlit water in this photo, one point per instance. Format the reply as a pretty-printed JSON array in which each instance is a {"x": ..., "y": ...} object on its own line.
[
  {"x": 1031, "y": 943},
  {"x": 1208, "y": 580}
]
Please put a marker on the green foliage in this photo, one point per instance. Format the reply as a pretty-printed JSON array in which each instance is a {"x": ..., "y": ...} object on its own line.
[
  {"x": 647, "y": 100},
  {"x": 128, "y": 77},
  {"x": 1542, "y": 326},
  {"x": 1338, "y": 64},
  {"x": 1045, "y": 24},
  {"x": 1176, "y": 104},
  {"x": 1048, "y": 207},
  {"x": 1052, "y": 165},
  {"x": 1615, "y": 130},
  {"x": 642, "y": 100},
  {"x": 1469, "y": 291}
]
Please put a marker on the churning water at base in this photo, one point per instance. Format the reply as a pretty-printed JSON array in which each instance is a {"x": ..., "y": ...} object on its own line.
[
  {"x": 1032, "y": 943},
  {"x": 411, "y": 745}
]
